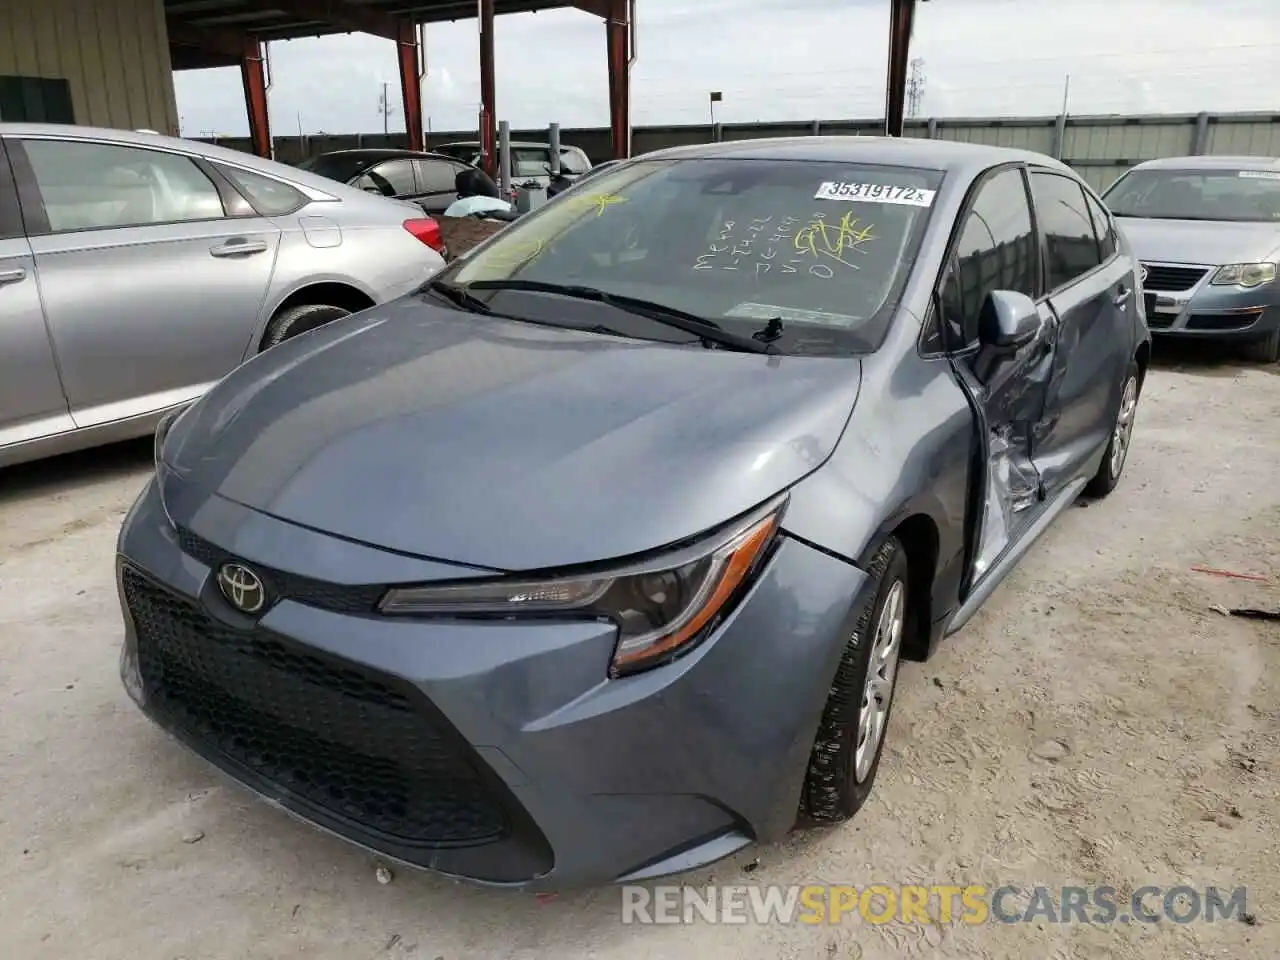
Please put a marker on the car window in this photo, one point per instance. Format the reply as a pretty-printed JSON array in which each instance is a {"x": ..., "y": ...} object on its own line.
[
  {"x": 437, "y": 176},
  {"x": 571, "y": 163},
  {"x": 1160, "y": 194},
  {"x": 826, "y": 247},
  {"x": 1103, "y": 228},
  {"x": 269, "y": 197},
  {"x": 529, "y": 162},
  {"x": 89, "y": 186},
  {"x": 996, "y": 251},
  {"x": 1071, "y": 249},
  {"x": 391, "y": 178}
]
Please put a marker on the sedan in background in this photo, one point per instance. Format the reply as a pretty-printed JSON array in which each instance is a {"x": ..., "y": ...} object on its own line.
[
  {"x": 427, "y": 179},
  {"x": 136, "y": 270},
  {"x": 595, "y": 559},
  {"x": 1207, "y": 230}
]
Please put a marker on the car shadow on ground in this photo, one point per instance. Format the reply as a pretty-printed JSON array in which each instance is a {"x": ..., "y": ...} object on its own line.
[
  {"x": 1214, "y": 358},
  {"x": 71, "y": 471}
]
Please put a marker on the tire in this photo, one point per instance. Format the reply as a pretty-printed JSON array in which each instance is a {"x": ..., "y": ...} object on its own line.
[
  {"x": 1264, "y": 349},
  {"x": 839, "y": 779},
  {"x": 299, "y": 319},
  {"x": 1112, "y": 466}
]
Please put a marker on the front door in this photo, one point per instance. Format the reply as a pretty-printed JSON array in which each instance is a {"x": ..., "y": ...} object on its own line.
[
  {"x": 1091, "y": 290},
  {"x": 151, "y": 291},
  {"x": 997, "y": 250},
  {"x": 32, "y": 404}
]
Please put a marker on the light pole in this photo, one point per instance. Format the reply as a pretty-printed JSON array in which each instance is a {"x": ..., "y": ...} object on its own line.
[{"x": 715, "y": 97}]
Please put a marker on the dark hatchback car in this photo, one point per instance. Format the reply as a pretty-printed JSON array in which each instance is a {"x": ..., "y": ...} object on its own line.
[
  {"x": 427, "y": 179},
  {"x": 594, "y": 560}
]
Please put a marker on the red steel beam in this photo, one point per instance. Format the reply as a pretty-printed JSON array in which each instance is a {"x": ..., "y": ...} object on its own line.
[
  {"x": 338, "y": 13},
  {"x": 254, "y": 76},
  {"x": 488, "y": 93},
  {"x": 618, "y": 39},
  {"x": 410, "y": 84},
  {"x": 901, "y": 14}
]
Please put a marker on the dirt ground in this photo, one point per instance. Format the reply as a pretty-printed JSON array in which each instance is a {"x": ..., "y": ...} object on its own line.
[{"x": 115, "y": 843}]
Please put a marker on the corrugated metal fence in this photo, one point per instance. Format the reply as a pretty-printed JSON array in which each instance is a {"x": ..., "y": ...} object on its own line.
[{"x": 1101, "y": 148}]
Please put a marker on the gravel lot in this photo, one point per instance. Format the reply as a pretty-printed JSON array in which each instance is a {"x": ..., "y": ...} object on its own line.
[{"x": 115, "y": 843}]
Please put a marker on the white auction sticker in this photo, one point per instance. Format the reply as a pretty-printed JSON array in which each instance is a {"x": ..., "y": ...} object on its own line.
[
  {"x": 1260, "y": 174},
  {"x": 875, "y": 193}
]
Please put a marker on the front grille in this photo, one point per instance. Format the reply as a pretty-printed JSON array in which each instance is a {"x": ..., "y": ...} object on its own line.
[
  {"x": 1158, "y": 321},
  {"x": 335, "y": 597},
  {"x": 1149, "y": 301},
  {"x": 359, "y": 747},
  {"x": 1172, "y": 279}
]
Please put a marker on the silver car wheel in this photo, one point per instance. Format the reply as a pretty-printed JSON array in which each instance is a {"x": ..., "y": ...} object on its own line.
[
  {"x": 1123, "y": 432},
  {"x": 882, "y": 670}
]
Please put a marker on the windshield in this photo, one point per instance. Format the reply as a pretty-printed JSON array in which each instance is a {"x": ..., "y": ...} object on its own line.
[
  {"x": 1235, "y": 195},
  {"x": 336, "y": 166},
  {"x": 824, "y": 247}
]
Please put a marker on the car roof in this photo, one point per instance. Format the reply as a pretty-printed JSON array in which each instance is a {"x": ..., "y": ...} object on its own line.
[
  {"x": 211, "y": 151},
  {"x": 947, "y": 155},
  {"x": 1210, "y": 163},
  {"x": 386, "y": 153}
]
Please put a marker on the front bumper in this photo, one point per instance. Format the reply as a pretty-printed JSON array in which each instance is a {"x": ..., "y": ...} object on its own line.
[
  {"x": 489, "y": 751},
  {"x": 1180, "y": 301}
]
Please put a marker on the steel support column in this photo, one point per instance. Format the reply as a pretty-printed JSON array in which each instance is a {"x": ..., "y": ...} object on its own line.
[
  {"x": 410, "y": 57},
  {"x": 254, "y": 76},
  {"x": 901, "y": 14},
  {"x": 488, "y": 92},
  {"x": 618, "y": 37}
]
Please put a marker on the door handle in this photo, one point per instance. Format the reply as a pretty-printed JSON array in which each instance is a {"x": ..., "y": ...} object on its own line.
[
  {"x": 12, "y": 276},
  {"x": 1123, "y": 296},
  {"x": 238, "y": 248}
]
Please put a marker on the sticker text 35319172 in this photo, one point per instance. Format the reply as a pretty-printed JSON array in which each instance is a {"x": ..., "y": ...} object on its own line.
[{"x": 875, "y": 193}]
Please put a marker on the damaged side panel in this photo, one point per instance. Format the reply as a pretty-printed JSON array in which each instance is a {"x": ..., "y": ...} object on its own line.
[{"x": 1009, "y": 397}]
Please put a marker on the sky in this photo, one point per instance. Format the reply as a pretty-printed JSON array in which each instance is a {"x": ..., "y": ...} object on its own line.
[{"x": 780, "y": 60}]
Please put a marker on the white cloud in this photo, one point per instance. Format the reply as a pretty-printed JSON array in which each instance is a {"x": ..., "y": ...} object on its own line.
[{"x": 797, "y": 59}]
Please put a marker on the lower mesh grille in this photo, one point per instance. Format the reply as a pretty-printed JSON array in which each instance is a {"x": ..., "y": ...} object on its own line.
[{"x": 354, "y": 745}]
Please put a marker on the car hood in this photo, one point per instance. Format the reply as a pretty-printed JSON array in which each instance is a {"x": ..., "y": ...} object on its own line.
[
  {"x": 501, "y": 444},
  {"x": 1200, "y": 241}
]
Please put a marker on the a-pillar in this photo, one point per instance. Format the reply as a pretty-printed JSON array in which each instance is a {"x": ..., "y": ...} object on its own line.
[
  {"x": 488, "y": 93},
  {"x": 254, "y": 76},
  {"x": 901, "y": 14},
  {"x": 618, "y": 37},
  {"x": 408, "y": 54}
]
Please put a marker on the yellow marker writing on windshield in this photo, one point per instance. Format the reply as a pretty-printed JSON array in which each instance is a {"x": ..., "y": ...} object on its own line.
[{"x": 834, "y": 240}]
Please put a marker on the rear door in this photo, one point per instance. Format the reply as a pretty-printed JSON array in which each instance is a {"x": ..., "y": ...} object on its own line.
[
  {"x": 151, "y": 286},
  {"x": 1090, "y": 288},
  {"x": 32, "y": 404},
  {"x": 996, "y": 249}
]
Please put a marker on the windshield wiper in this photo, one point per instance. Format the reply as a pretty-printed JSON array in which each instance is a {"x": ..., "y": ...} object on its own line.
[
  {"x": 691, "y": 323},
  {"x": 459, "y": 296}
]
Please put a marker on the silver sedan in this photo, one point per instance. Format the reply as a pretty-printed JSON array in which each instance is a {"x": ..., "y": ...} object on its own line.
[{"x": 137, "y": 270}]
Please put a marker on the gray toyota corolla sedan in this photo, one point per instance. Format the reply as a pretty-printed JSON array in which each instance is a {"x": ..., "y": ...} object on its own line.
[
  {"x": 1207, "y": 232},
  {"x": 594, "y": 559}
]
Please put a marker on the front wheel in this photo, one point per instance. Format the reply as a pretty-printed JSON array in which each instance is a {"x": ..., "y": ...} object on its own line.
[
  {"x": 846, "y": 753},
  {"x": 1264, "y": 349},
  {"x": 1113, "y": 458}
]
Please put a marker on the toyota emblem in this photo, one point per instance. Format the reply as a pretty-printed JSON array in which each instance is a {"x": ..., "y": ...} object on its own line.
[
  {"x": 1144, "y": 273},
  {"x": 242, "y": 587}
]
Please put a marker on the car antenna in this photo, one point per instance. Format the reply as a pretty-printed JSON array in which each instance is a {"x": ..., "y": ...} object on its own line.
[{"x": 771, "y": 332}]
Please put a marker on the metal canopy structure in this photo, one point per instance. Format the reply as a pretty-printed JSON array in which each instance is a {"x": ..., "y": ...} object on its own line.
[{"x": 216, "y": 33}]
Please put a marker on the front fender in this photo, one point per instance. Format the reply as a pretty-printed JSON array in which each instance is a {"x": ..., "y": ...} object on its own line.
[{"x": 906, "y": 453}]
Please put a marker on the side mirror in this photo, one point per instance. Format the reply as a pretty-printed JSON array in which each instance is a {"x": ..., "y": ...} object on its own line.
[{"x": 1008, "y": 320}]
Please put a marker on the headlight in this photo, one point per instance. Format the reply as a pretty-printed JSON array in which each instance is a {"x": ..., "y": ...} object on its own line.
[
  {"x": 1244, "y": 275},
  {"x": 661, "y": 608}
]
